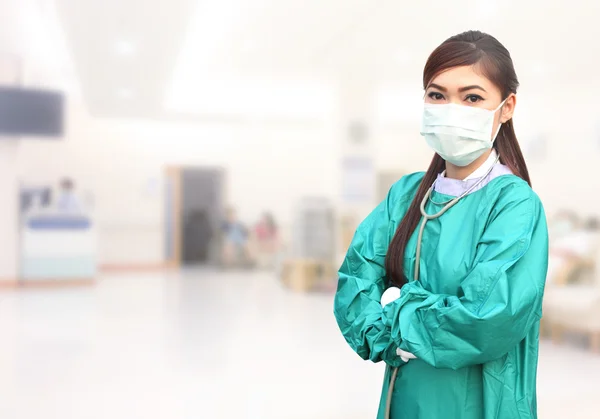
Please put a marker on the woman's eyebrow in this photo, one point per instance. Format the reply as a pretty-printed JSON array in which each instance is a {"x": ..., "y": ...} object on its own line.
[
  {"x": 473, "y": 86},
  {"x": 437, "y": 86}
]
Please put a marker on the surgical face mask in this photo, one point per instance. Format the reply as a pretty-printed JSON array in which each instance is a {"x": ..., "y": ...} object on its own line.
[{"x": 459, "y": 134}]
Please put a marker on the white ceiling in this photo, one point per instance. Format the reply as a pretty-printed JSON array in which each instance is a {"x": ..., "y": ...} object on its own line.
[
  {"x": 31, "y": 40},
  {"x": 94, "y": 31},
  {"x": 152, "y": 58}
]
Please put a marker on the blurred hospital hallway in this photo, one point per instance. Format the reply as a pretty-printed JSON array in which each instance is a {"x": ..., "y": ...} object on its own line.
[
  {"x": 202, "y": 343},
  {"x": 181, "y": 179}
]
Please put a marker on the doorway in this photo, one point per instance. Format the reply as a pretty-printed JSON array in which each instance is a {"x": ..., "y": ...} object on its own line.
[{"x": 194, "y": 208}]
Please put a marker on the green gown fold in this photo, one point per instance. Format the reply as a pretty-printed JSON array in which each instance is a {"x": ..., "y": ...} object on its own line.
[{"x": 472, "y": 318}]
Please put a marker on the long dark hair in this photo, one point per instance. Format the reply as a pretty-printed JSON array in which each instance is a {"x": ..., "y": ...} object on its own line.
[{"x": 494, "y": 61}]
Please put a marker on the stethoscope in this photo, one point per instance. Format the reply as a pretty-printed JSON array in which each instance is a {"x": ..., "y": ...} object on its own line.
[{"x": 426, "y": 217}]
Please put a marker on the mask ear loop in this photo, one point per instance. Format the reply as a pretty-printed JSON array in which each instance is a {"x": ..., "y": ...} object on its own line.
[
  {"x": 501, "y": 104},
  {"x": 500, "y": 123},
  {"x": 497, "y": 132}
]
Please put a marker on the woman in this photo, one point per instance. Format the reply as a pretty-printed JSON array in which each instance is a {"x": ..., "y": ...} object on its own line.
[
  {"x": 266, "y": 233},
  {"x": 267, "y": 240},
  {"x": 458, "y": 322}
]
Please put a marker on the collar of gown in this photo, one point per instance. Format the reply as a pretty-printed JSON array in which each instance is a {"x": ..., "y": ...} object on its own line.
[{"x": 456, "y": 187}]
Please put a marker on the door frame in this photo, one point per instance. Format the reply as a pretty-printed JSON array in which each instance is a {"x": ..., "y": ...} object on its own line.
[{"x": 173, "y": 215}]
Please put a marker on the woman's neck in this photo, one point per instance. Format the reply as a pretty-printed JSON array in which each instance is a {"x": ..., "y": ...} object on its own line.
[{"x": 461, "y": 172}]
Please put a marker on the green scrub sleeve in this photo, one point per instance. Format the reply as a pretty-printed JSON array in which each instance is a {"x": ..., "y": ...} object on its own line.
[
  {"x": 497, "y": 303},
  {"x": 357, "y": 306}
]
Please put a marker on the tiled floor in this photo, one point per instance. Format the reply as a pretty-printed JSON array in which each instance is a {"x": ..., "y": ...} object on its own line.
[{"x": 205, "y": 344}]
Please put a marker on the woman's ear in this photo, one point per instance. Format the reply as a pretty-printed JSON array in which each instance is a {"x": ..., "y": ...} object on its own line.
[{"x": 508, "y": 109}]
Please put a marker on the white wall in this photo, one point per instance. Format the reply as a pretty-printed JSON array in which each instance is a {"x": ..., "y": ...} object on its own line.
[
  {"x": 269, "y": 166},
  {"x": 8, "y": 210},
  {"x": 567, "y": 177}
]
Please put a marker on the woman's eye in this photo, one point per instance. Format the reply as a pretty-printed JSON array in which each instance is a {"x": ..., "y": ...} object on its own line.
[
  {"x": 473, "y": 98},
  {"x": 436, "y": 96}
]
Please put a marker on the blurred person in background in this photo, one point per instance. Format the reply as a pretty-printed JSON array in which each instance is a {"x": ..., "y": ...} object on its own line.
[
  {"x": 444, "y": 280},
  {"x": 266, "y": 239},
  {"x": 235, "y": 241},
  {"x": 67, "y": 200}
]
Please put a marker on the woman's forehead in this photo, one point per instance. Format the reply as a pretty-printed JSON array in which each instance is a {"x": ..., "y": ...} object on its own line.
[{"x": 457, "y": 77}]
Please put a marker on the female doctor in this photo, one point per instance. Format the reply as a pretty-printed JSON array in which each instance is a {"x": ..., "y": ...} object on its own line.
[{"x": 444, "y": 280}]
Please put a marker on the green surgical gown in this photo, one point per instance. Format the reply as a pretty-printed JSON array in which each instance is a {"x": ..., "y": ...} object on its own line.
[{"x": 472, "y": 318}]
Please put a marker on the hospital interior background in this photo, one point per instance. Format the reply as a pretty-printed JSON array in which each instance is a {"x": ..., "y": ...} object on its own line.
[{"x": 171, "y": 231}]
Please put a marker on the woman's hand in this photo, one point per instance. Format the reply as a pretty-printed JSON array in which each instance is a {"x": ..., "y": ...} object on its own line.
[
  {"x": 405, "y": 356},
  {"x": 390, "y": 295}
]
